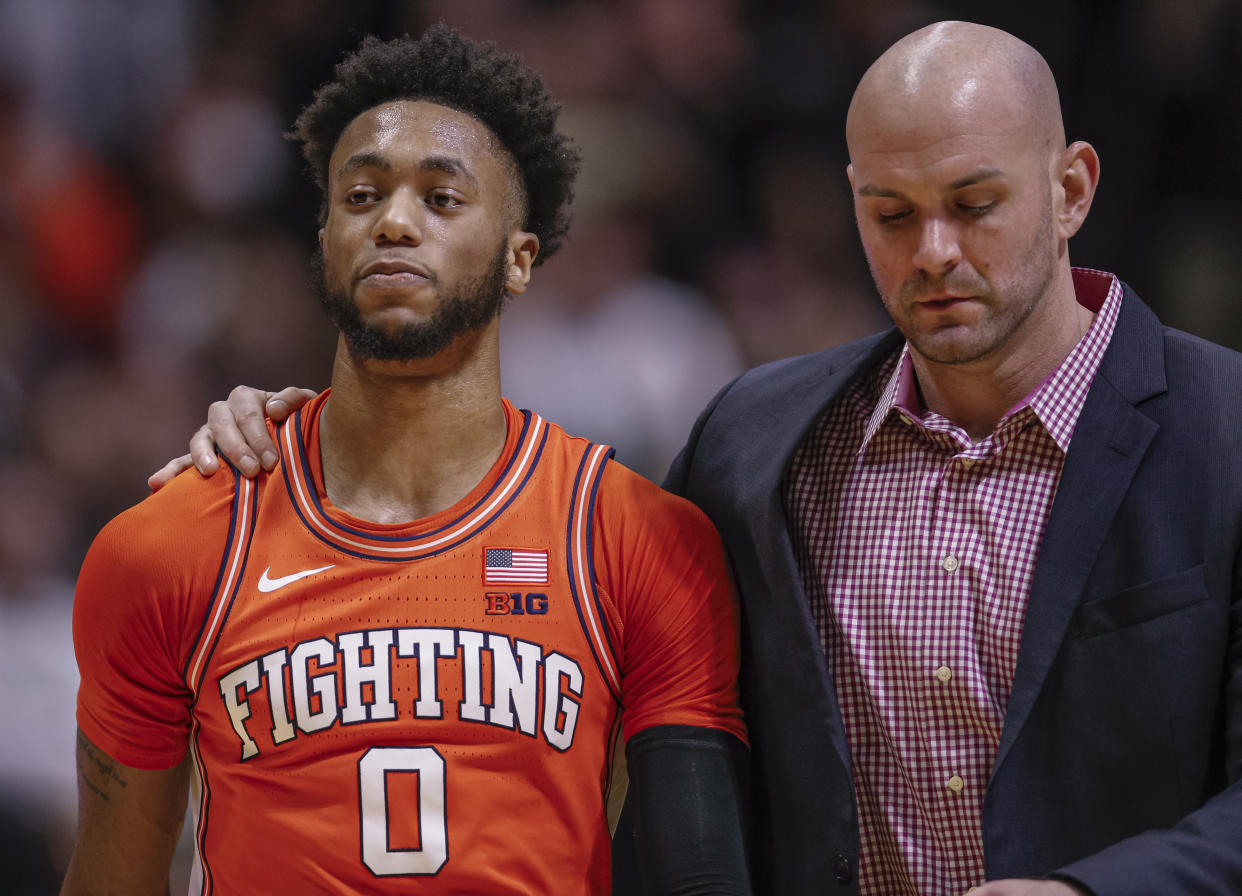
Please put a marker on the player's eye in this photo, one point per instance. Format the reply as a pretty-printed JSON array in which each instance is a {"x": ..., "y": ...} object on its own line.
[{"x": 443, "y": 199}]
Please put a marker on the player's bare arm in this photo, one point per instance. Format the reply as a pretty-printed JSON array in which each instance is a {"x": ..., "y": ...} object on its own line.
[
  {"x": 236, "y": 427},
  {"x": 128, "y": 823}
]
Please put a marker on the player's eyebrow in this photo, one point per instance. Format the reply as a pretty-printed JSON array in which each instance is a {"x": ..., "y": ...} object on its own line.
[
  {"x": 448, "y": 165},
  {"x": 363, "y": 160},
  {"x": 445, "y": 164}
]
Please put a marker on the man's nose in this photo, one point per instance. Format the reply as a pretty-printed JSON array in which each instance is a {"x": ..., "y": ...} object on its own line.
[
  {"x": 938, "y": 249},
  {"x": 400, "y": 220}
]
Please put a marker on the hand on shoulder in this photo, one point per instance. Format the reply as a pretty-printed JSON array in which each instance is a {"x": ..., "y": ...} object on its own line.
[{"x": 238, "y": 429}]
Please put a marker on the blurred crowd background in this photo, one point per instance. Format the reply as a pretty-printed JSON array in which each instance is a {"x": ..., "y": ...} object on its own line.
[{"x": 155, "y": 230}]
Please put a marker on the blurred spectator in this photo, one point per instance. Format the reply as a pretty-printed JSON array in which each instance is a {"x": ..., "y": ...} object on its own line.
[
  {"x": 801, "y": 283},
  {"x": 609, "y": 349},
  {"x": 101, "y": 69},
  {"x": 38, "y": 675}
]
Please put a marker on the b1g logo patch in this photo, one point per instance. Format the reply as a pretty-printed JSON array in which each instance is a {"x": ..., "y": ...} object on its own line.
[{"x": 515, "y": 603}]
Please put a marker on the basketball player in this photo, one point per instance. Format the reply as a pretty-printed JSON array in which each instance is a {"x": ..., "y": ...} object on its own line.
[{"x": 399, "y": 662}]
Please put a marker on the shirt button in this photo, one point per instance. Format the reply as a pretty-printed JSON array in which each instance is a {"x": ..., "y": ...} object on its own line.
[
  {"x": 944, "y": 673},
  {"x": 950, "y": 564},
  {"x": 956, "y": 784},
  {"x": 968, "y": 462}
]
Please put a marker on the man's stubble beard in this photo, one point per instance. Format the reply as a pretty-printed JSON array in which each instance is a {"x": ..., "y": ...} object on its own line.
[
  {"x": 1026, "y": 290},
  {"x": 472, "y": 305}
]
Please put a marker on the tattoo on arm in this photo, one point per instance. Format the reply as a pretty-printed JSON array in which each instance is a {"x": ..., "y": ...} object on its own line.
[{"x": 97, "y": 770}]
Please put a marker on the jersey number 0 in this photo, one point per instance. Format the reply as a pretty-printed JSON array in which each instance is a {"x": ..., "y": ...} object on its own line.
[{"x": 374, "y": 769}]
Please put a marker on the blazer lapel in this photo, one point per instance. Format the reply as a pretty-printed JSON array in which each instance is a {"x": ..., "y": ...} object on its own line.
[
  {"x": 791, "y": 411},
  {"x": 1109, "y": 442}
]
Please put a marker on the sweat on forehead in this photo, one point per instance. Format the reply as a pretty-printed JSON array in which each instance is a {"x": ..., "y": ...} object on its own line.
[
  {"x": 444, "y": 139},
  {"x": 948, "y": 73},
  {"x": 393, "y": 125}
]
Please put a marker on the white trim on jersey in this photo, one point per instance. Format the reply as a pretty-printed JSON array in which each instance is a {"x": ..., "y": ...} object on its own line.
[
  {"x": 501, "y": 494},
  {"x": 580, "y": 564},
  {"x": 220, "y": 600}
]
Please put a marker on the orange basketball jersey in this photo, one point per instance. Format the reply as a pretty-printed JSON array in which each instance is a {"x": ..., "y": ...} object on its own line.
[{"x": 427, "y": 707}]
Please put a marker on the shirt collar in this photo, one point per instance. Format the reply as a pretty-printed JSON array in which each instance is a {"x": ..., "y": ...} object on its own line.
[{"x": 1057, "y": 401}]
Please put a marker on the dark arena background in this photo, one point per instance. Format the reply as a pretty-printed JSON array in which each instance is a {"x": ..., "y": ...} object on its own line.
[{"x": 155, "y": 231}]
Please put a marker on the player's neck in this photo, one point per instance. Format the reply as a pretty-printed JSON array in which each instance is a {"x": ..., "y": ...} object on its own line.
[{"x": 403, "y": 442}]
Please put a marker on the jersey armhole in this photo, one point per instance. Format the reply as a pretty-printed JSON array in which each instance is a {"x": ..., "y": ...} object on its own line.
[
  {"x": 580, "y": 556},
  {"x": 232, "y": 565}
]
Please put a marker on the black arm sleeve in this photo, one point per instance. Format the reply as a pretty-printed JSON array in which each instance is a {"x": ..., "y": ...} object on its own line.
[{"x": 682, "y": 830}]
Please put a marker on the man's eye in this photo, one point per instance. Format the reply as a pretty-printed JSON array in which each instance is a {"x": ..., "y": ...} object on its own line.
[
  {"x": 891, "y": 217},
  {"x": 976, "y": 209},
  {"x": 358, "y": 197},
  {"x": 440, "y": 199}
]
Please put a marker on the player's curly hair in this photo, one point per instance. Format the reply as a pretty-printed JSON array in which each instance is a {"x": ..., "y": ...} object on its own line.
[{"x": 449, "y": 69}]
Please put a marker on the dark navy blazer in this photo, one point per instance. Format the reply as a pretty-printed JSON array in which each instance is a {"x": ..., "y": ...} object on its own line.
[{"x": 1122, "y": 746}]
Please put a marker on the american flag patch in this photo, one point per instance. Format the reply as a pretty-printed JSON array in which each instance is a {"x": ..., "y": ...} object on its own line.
[{"x": 507, "y": 565}]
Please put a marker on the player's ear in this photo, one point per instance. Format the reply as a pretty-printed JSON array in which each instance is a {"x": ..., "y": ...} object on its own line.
[{"x": 523, "y": 249}]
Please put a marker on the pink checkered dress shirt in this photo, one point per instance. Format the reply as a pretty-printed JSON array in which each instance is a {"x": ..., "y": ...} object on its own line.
[{"x": 916, "y": 547}]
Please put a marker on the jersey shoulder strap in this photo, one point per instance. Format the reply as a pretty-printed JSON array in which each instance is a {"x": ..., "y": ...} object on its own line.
[
  {"x": 232, "y": 565},
  {"x": 581, "y": 559}
]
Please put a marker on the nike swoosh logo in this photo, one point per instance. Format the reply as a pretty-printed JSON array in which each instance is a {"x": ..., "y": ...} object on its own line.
[{"x": 266, "y": 583}]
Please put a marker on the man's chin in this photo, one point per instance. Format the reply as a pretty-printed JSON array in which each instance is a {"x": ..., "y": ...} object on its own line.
[
  {"x": 396, "y": 343},
  {"x": 951, "y": 345}
]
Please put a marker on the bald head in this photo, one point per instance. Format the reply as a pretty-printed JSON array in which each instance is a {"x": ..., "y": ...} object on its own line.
[
  {"x": 966, "y": 196},
  {"x": 954, "y": 78}
]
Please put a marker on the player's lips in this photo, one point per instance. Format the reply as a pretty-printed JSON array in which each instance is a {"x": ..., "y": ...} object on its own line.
[{"x": 394, "y": 272}]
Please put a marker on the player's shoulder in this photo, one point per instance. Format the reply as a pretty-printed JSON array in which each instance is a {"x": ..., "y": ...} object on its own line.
[
  {"x": 158, "y": 560},
  {"x": 191, "y": 510},
  {"x": 625, "y": 495},
  {"x": 626, "y": 498}
]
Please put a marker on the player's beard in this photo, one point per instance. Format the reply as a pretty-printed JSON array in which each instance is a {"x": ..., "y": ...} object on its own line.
[{"x": 470, "y": 306}]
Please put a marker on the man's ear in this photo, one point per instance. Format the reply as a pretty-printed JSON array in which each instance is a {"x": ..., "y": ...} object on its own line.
[
  {"x": 523, "y": 249},
  {"x": 320, "y": 239},
  {"x": 1075, "y": 179}
]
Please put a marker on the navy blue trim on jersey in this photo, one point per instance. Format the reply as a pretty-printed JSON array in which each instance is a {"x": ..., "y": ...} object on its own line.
[
  {"x": 614, "y": 734},
  {"x": 204, "y": 804},
  {"x": 204, "y": 800},
  {"x": 478, "y": 528},
  {"x": 590, "y": 552},
  {"x": 215, "y": 589},
  {"x": 572, "y": 573},
  {"x": 303, "y": 461},
  {"x": 248, "y": 537}
]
